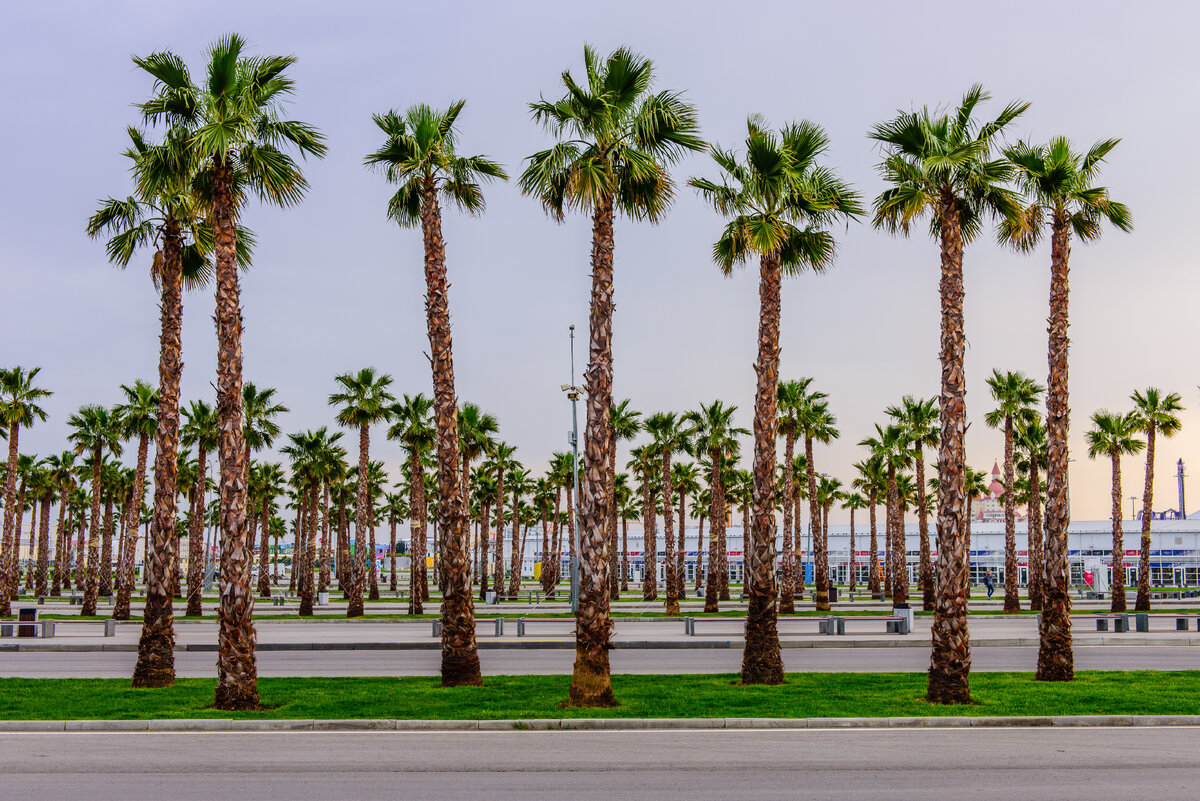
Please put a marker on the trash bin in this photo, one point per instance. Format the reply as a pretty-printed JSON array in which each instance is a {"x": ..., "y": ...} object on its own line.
[
  {"x": 833, "y": 595},
  {"x": 27, "y": 615},
  {"x": 490, "y": 598},
  {"x": 323, "y": 598},
  {"x": 906, "y": 612}
]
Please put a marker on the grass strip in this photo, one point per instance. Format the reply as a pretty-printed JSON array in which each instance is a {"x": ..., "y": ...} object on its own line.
[{"x": 664, "y": 696}]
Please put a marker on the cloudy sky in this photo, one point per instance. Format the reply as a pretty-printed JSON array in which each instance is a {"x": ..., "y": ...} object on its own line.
[{"x": 335, "y": 287}]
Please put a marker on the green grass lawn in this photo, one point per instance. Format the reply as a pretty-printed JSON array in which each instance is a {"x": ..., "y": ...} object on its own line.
[{"x": 677, "y": 696}]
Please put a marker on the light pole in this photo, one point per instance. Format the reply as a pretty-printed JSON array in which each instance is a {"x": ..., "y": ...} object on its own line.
[{"x": 573, "y": 394}]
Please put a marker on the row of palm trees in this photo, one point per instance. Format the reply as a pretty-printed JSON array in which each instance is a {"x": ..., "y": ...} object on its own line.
[{"x": 227, "y": 137}]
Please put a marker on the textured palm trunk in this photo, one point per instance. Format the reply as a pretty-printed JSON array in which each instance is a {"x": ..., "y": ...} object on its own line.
[
  {"x": 699, "y": 555},
  {"x": 950, "y": 660},
  {"x": 122, "y": 532},
  {"x": 358, "y": 566},
  {"x": 624, "y": 554},
  {"x": 712, "y": 584},
  {"x": 343, "y": 547},
  {"x": 237, "y": 672},
  {"x": 614, "y": 572},
  {"x": 649, "y": 543},
  {"x": 418, "y": 585},
  {"x": 34, "y": 526},
  {"x": 926, "y": 568},
  {"x": 374, "y": 564},
  {"x": 392, "y": 582},
  {"x": 799, "y": 577},
  {"x": 106, "y": 549},
  {"x": 460, "y": 655},
  {"x": 1035, "y": 539},
  {"x": 1056, "y": 659},
  {"x": 91, "y": 572},
  {"x": 43, "y": 549},
  {"x": 10, "y": 497},
  {"x": 326, "y": 543},
  {"x": 125, "y": 584},
  {"x": 1143, "y": 593},
  {"x": 518, "y": 554},
  {"x": 853, "y": 575},
  {"x": 80, "y": 553},
  {"x": 887, "y": 547},
  {"x": 787, "y": 575},
  {"x": 873, "y": 567},
  {"x": 761, "y": 660},
  {"x": 591, "y": 683},
  {"x": 1012, "y": 602},
  {"x": 680, "y": 553},
  {"x": 899, "y": 549},
  {"x": 668, "y": 513},
  {"x": 300, "y": 564},
  {"x": 14, "y": 573},
  {"x": 196, "y": 556},
  {"x": 264, "y": 548},
  {"x": 483, "y": 545},
  {"x": 1118, "y": 539},
  {"x": 60, "y": 535}
]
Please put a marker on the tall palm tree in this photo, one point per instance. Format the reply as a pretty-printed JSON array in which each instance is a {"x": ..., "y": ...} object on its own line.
[
  {"x": 617, "y": 140},
  {"x": 61, "y": 470},
  {"x": 818, "y": 425},
  {"x": 235, "y": 122},
  {"x": 419, "y": 155},
  {"x": 853, "y": 501},
  {"x": 920, "y": 418},
  {"x": 413, "y": 428},
  {"x": 1031, "y": 443},
  {"x": 94, "y": 430},
  {"x": 715, "y": 436},
  {"x": 790, "y": 396},
  {"x": 1015, "y": 395},
  {"x": 199, "y": 430},
  {"x": 139, "y": 416},
  {"x": 1157, "y": 413},
  {"x": 1064, "y": 199},
  {"x": 19, "y": 398},
  {"x": 623, "y": 425},
  {"x": 872, "y": 479},
  {"x": 781, "y": 203},
  {"x": 892, "y": 446},
  {"x": 1115, "y": 435},
  {"x": 476, "y": 436},
  {"x": 363, "y": 400},
  {"x": 669, "y": 435},
  {"x": 939, "y": 165}
]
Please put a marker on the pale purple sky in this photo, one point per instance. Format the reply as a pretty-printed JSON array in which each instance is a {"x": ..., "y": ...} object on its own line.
[{"x": 336, "y": 287}]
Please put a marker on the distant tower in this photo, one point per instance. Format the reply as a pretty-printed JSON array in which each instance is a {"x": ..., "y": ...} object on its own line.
[{"x": 1179, "y": 475}]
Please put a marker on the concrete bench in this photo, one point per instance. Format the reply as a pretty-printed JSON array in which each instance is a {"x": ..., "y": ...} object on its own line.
[
  {"x": 824, "y": 624},
  {"x": 522, "y": 622},
  {"x": 894, "y": 624},
  {"x": 47, "y": 628},
  {"x": 497, "y": 621}
]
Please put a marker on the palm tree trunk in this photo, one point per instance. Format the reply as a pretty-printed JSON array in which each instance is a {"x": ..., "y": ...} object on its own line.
[
  {"x": 712, "y": 584},
  {"x": 798, "y": 545},
  {"x": 43, "y": 549},
  {"x": 1012, "y": 603},
  {"x": 264, "y": 581},
  {"x": 358, "y": 568},
  {"x": 624, "y": 553},
  {"x": 91, "y": 574},
  {"x": 614, "y": 575},
  {"x": 326, "y": 540},
  {"x": 196, "y": 555},
  {"x": 56, "y": 574},
  {"x": 1056, "y": 660},
  {"x": 392, "y": 585},
  {"x": 418, "y": 584},
  {"x": 374, "y": 571},
  {"x": 1035, "y": 539},
  {"x": 1143, "y": 594},
  {"x": 950, "y": 662},
  {"x": 873, "y": 567},
  {"x": 106, "y": 548},
  {"x": 300, "y": 563},
  {"x": 700, "y": 554},
  {"x": 926, "y": 580},
  {"x": 649, "y": 544},
  {"x": 484, "y": 544},
  {"x": 888, "y": 542},
  {"x": 10, "y": 496},
  {"x": 460, "y": 655},
  {"x": 125, "y": 584},
  {"x": 761, "y": 660},
  {"x": 899, "y": 549},
  {"x": 237, "y": 672},
  {"x": 518, "y": 553},
  {"x": 1118, "y": 539},
  {"x": 787, "y": 575},
  {"x": 853, "y": 576},
  {"x": 591, "y": 680},
  {"x": 667, "y": 492}
]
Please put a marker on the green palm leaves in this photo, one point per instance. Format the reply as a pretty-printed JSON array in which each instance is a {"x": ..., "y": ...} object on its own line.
[{"x": 779, "y": 199}]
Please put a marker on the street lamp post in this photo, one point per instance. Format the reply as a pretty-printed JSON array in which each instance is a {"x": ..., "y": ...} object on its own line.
[{"x": 573, "y": 395}]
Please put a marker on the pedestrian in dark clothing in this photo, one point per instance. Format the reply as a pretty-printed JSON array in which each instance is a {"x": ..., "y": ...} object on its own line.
[{"x": 990, "y": 583}]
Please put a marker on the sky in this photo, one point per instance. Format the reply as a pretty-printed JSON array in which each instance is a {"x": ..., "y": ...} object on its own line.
[{"x": 335, "y": 286}]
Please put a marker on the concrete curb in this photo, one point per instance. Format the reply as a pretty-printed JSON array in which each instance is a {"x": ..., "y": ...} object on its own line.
[
  {"x": 911, "y": 641},
  {"x": 591, "y": 724}
]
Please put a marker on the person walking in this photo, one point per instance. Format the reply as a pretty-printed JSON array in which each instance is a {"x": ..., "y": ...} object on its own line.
[{"x": 990, "y": 583}]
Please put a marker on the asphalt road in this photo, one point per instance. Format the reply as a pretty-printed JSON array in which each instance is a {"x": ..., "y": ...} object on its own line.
[
  {"x": 119, "y": 664},
  {"x": 888, "y": 764}
]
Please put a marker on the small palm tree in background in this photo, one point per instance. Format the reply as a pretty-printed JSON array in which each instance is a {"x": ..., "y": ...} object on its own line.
[
  {"x": 853, "y": 501},
  {"x": 363, "y": 400},
  {"x": 939, "y": 166},
  {"x": 1030, "y": 440},
  {"x": 623, "y": 426},
  {"x": 1115, "y": 435},
  {"x": 1015, "y": 395},
  {"x": 1064, "y": 199},
  {"x": 94, "y": 430},
  {"x": 199, "y": 431},
  {"x": 139, "y": 416},
  {"x": 19, "y": 399},
  {"x": 920, "y": 418},
  {"x": 1156, "y": 412},
  {"x": 617, "y": 140},
  {"x": 669, "y": 435},
  {"x": 790, "y": 398},
  {"x": 413, "y": 428}
]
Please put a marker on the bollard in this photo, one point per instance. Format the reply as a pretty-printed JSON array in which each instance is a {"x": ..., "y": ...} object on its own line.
[
  {"x": 437, "y": 628},
  {"x": 1101, "y": 624},
  {"x": 1142, "y": 621},
  {"x": 1181, "y": 624},
  {"x": 110, "y": 628},
  {"x": 841, "y": 625},
  {"x": 47, "y": 629},
  {"x": 520, "y": 627}
]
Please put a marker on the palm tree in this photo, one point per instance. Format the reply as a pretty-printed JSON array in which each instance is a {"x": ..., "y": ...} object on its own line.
[
  {"x": 894, "y": 449},
  {"x": 1060, "y": 185},
  {"x": 61, "y": 470},
  {"x": 270, "y": 486},
  {"x": 853, "y": 501},
  {"x": 235, "y": 121},
  {"x": 872, "y": 479},
  {"x": 25, "y": 466},
  {"x": 781, "y": 204},
  {"x": 419, "y": 155},
  {"x": 364, "y": 400},
  {"x": 1015, "y": 395},
  {"x": 476, "y": 430},
  {"x": 790, "y": 397},
  {"x": 920, "y": 417},
  {"x": 19, "y": 398},
  {"x": 829, "y": 492},
  {"x": 683, "y": 479},
  {"x": 501, "y": 462},
  {"x": 1030, "y": 440},
  {"x": 139, "y": 415},
  {"x": 938, "y": 164},
  {"x": 616, "y": 142},
  {"x": 623, "y": 425},
  {"x": 45, "y": 488},
  {"x": 414, "y": 430},
  {"x": 669, "y": 435},
  {"x": 1157, "y": 413},
  {"x": 817, "y": 424},
  {"x": 199, "y": 431},
  {"x": 94, "y": 430},
  {"x": 644, "y": 464},
  {"x": 518, "y": 485},
  {"x": 1115, "y": 435}
]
